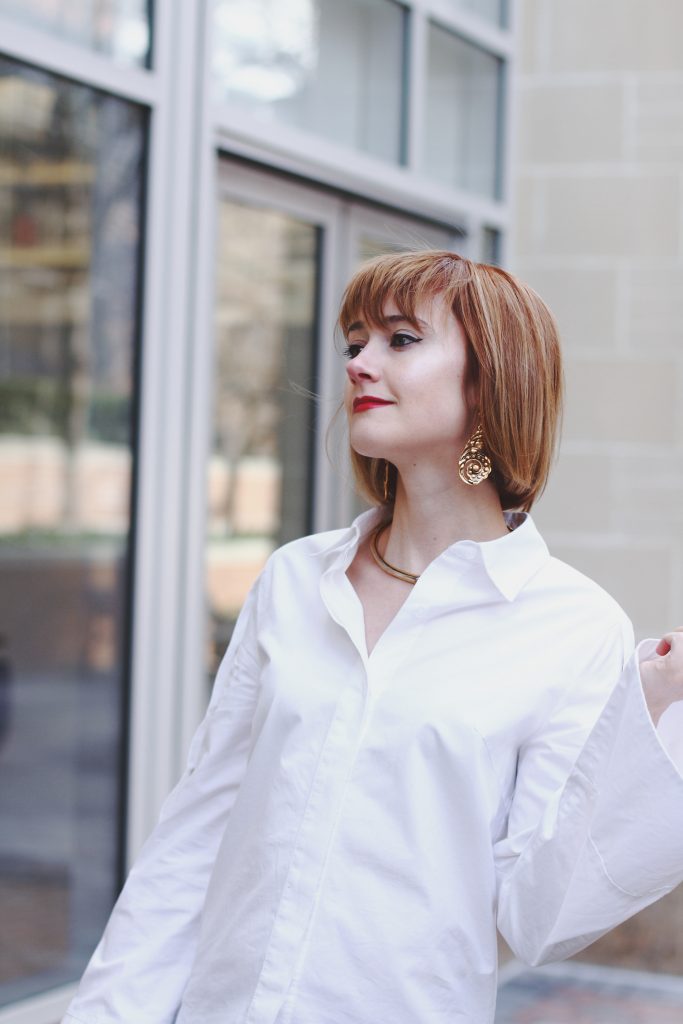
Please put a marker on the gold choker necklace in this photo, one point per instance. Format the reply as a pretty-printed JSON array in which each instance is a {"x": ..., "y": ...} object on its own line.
[
  {"x": 400, "y": 574},
  {"x": 392, "y": 570}
]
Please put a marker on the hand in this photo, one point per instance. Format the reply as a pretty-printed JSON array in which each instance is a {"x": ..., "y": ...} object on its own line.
[{"x": 662, "y": 676}]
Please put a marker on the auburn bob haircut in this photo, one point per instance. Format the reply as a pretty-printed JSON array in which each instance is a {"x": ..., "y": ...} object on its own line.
[{"x": 514, "y": 360}]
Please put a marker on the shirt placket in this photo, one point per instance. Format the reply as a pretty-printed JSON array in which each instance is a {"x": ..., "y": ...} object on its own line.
[
  {"x": 280, "y": 977},
  {"x": 379, "y": 673},
  {"x": 318, "y": 823}
]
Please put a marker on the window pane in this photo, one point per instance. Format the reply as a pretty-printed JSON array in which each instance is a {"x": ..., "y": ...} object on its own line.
[
  {"x": 259, "y": 477},
  {"x": 492, "y": 10},
  {"x": 120, "y": 28},
  {"x": 462, "y": 114},
  {"x": 332, "y": 68},
  {"x": 70, "y": 187}
]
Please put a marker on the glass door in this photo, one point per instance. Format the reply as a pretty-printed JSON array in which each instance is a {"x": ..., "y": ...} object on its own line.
[
  {"x": 273, "y": 242},
  {"x": 278, "y": 465}
]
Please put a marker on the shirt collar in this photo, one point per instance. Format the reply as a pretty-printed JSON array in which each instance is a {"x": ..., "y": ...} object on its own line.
[
  {"x": 512, "y": 560},
  {"x": 509, "y": 562}
]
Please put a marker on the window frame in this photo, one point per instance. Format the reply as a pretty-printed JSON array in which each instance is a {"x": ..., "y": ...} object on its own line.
[
  {"x": 404, "y": 186},
  {"x": 187, "y": 132}
]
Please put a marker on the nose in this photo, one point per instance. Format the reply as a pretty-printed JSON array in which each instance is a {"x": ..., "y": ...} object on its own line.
[{"x": 362, "y": 367}]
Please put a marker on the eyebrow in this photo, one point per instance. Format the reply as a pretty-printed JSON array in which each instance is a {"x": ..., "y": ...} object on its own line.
[{"x": 395, "y": 318}]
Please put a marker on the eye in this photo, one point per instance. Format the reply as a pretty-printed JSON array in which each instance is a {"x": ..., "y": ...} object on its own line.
[
  {"x": 353, "y": 350},
  {"x": 402, "y": 340}
]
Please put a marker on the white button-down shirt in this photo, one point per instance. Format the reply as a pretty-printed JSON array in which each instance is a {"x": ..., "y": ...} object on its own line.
[{"x": 350, "y": 828}]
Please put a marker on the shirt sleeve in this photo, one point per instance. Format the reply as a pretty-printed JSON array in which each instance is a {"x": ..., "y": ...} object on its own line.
[
  {"x": 140, "y": 968},
  {"x": 595, "y": 830}
]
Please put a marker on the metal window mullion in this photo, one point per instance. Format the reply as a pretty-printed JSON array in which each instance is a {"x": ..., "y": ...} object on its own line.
[
  {"x": 474, "y": 29},
  {"x": 331, "y": 502},
  {"x": 201, "y": 351},
  {"x": 78, "y": 63},
  {"x": 319, "y": 160},
  {"x": 416, "y": 87},
  {"x": 508, "y": 127},
  {"x": 170, "y": 272}
]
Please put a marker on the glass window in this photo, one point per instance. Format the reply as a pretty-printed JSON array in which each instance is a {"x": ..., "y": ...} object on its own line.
[
  {"x": 119, "y": 28},
  {"x": 492, "y": 10},
  {"x": 259, "y": 477},
  {"x": 335, "y": 69},
  {"x": 71, "y": 163},
  {"x": 462, "y": 116}
]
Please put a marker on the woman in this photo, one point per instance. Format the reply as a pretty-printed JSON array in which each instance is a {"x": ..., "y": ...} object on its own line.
[{"x": 424, "y": 723}]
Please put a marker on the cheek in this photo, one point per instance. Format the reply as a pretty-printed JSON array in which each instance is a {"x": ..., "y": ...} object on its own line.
[
  {"x": 444, "y": 389},
  {"x": 442, "y": 413},
  {"x": 347, "y": 396}
]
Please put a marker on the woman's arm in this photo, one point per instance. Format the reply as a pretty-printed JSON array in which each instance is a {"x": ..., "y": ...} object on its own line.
[
  {"x": 140, "y": 968},
  {"x": 608, "y": 840}
]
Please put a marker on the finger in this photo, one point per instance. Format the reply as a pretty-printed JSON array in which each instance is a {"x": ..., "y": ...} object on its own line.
[{"x": 674, "y": 636}]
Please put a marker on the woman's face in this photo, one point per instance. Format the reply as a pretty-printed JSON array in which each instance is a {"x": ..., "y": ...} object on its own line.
[{"x": 406, "y": 395}]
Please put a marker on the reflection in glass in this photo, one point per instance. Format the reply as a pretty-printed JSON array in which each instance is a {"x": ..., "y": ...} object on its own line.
[
  {"x": 259, "y": 476},
  {"x": 70, "y": 181},
  {"x": 118, "y": 28},
  {"x": 462, "y": 114},
  {"x": 335, "y": 69}
]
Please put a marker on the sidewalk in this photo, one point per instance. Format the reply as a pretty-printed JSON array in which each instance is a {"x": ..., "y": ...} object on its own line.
[{"x": 577, "y": 993}]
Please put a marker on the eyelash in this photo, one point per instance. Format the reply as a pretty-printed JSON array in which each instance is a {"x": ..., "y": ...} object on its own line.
[{"x": 355, "y": 349}]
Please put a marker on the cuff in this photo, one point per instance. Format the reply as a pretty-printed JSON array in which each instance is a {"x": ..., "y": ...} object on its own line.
[{"x": 638, "y": 819}]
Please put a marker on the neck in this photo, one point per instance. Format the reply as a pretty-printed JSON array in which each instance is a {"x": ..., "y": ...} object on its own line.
[{"x": 432, "y": 512}]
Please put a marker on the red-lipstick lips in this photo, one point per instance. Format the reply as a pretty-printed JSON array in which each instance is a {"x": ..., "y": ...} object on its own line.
[{"x": 368, "y": 402}]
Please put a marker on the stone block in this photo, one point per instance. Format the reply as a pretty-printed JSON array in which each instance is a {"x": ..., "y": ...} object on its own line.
[
  {"x": 648, "y": 494},
  {"x": 658, "y": 120},
  {"x": 578, "y": 495},
  {"x": 622, "y": 401},
  {"x": 583, "y": 300},
  {"x": 654, "y": 310},
  {"x": 623, "y": 216},
  {"x": 612, "y": 35},
  {"x": 636, "y": 574},
  {"x": 570, "y": 124}
]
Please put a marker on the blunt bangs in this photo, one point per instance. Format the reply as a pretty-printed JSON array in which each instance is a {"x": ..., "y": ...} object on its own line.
[{"x": 406, "y": 278}]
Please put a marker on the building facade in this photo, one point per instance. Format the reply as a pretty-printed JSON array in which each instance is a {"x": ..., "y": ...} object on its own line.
[
  {"x": 598, "y": 230},
  {"x": 185, "y": 187}
]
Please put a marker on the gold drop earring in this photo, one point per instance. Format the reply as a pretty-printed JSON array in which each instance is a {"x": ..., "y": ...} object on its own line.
[{"x": 474, "y": 465}]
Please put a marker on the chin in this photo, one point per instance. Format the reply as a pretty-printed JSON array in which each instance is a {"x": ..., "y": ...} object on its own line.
[{"x": 371, "y": 451}]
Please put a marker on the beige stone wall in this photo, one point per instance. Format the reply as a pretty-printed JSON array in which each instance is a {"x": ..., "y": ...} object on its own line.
[
  {"x": 598, "y": 205},
  {"x": 598, "y": 179}
]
